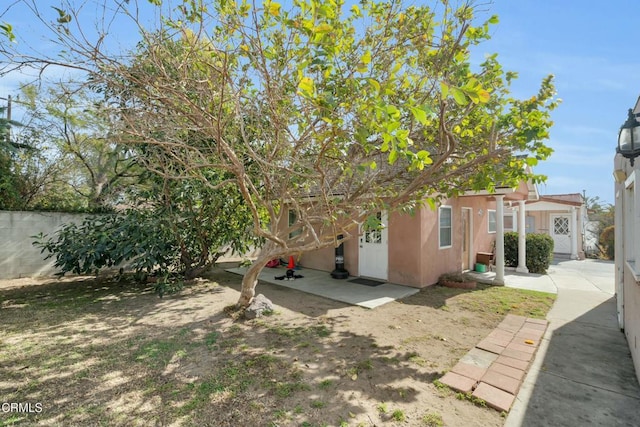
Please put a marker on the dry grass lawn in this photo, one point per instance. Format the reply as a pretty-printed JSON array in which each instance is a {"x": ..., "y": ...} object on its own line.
[{"x": 100, "y": 352}]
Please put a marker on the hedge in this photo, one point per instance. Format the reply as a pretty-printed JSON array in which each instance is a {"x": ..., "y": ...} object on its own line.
[{"x": 539, "y": 251}]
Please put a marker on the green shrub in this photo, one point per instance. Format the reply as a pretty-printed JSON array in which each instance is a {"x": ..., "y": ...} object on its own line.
[
  {"x": 539, "y": 251},
  {"x": 511, "y": 249},
  {"x": 607, "y": 241}
]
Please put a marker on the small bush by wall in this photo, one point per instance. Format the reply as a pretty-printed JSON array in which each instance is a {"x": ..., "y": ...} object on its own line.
[{"x": 539, "y": 251}]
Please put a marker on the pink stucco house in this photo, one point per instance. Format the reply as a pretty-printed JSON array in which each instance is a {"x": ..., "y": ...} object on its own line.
[{"x": 415, "y": 250}]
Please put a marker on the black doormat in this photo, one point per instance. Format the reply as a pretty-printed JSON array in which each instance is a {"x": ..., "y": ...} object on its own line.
[{"x": 367, "y": 282}]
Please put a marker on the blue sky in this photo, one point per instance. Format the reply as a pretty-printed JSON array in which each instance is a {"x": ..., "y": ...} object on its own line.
[
  {"x": 589, "y": 46},
  {"x": 591, "y": 49}
]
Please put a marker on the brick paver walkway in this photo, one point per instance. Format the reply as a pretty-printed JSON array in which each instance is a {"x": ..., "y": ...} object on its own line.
[{"x": 494, "y": 369}]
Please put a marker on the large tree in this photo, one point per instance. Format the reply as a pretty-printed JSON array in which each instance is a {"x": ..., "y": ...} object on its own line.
[
  {"x": 331, "y": 111},
  {"x": 78, "y": 136}
]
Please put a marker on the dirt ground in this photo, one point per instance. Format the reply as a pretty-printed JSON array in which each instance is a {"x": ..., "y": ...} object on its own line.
[{"x": 81, "y": 351}]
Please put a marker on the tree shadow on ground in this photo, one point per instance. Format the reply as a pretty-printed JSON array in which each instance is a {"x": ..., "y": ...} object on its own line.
[{"x": 107, "y": 352}]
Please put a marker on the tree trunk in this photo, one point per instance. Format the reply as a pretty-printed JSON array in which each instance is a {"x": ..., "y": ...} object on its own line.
[
  {"x": 249, "y": 282},
  {"x": 268, "y": 252}
]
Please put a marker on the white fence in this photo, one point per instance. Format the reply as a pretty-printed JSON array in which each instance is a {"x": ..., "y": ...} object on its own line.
[{"x": 18, "y": 256}]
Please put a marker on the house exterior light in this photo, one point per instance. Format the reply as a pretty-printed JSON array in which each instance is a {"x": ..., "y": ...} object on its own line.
[{"x": 629, "y": 138}]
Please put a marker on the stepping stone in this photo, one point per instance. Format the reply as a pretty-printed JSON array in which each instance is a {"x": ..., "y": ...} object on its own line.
[
  {"x": 479, "y": 357},
  {"x": 489, "y": 346},
  {"x": 538, "y": 326},
  {"x": 502, "y": 342},
  {"x": 458, "y": 382},
  {"x": 522, "y": 347},
  {"x": 501, "y": 381},
  {"x": 513, "y": 363},
  {"x": 520, "y": 355},
  {"x": 470, "y": 371},
  {"x": 509, "y": 371},
  {"x": 495, "y": 398},
  {"x": 527, "y": 334},
  {"x": 501, "y": 334}
]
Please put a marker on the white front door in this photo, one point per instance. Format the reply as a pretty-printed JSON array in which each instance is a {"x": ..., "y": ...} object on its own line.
[
  {"x": 561, "y": 233},
  {"x": 374, "y": 249}
]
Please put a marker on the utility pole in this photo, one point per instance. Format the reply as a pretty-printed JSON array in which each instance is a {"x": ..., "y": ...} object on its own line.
[{"x": 8, "y": 99}]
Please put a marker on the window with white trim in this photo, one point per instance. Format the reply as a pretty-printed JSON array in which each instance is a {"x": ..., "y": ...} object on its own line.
[
  {"x": 445, "y": 220},
  {"x": 491, "y": 217}
]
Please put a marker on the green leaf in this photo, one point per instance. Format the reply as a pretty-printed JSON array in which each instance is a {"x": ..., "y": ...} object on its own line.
[
  {"x": 444, "y": 89},
  {"x": 306, "y": 86},
  {"x": 322, "y": 28},
  {"x": 473, "y": 83},
  {"x": 366, "y": 58},
  {"x": 391, "y": 126},
  {"x": 7, "y": 30},
  {"x": 459, "y": 96},
  {"x": 494, "y": 19},
  {"x": 424, "y": 157},
  {"x": 386, "y": 140},
  {"x": 420, "y": 115},
  {"x": 273, "y": 8},
  {"x": 393, "y": 156},
  {"x": 375, "y": 84},
  {"x": 473, "y": 95},
  {"x": 63, "y": 17},
  {"x": 484, "y": 96},
  {"x": 392, "y": 111}
]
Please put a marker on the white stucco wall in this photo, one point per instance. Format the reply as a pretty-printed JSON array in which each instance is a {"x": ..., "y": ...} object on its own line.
[{"x": 18, "y": 256}]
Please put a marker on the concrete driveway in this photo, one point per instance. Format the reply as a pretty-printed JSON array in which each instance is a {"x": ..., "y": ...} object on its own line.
[{"x": 582, "y": 374}]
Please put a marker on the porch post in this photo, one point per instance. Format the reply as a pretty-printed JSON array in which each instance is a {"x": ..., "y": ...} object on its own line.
[
  {"x": 499, "y": 279},
  {"x": 574, "y": 234},
  {"x": 522, "y": 240}
]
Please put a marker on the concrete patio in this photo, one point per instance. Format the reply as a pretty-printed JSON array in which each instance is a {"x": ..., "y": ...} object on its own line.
[{"x": 322, "y": 284}]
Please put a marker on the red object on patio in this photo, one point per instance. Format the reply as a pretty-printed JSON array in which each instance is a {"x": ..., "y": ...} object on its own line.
[
  {"x": 273, "y": 263},
  {"x": 292, "y": 263}
]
